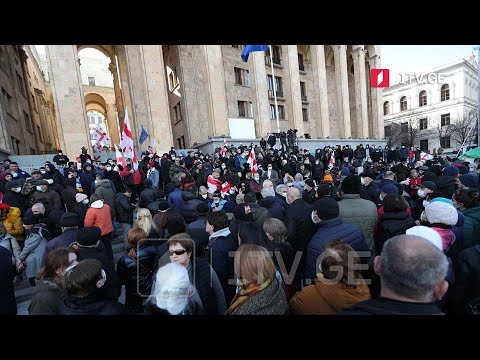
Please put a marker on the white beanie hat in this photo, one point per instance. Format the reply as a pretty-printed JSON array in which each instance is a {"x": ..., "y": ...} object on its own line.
[
  {"x": 441, "y": 213},
  {"x": 427, "y": 233},
  {"x": 172, "y": 288}
]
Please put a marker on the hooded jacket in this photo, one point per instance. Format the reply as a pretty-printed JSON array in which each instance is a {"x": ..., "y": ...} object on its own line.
[{"x": 99, "y": 215}]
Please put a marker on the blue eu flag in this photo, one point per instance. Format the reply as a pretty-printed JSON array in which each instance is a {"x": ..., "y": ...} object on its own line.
[
  {"x": 251, "y": 48},
  {"x": 143, "y": 136}
]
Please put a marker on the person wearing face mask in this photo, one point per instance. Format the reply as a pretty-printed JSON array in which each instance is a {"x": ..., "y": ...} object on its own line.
[
  {"x": 256, "y": 185},
  {"x": 369, "y": 187},
  {"x": 48, "y": 294},
  {"x": 217, "y": 202},
  {"x": 424, "y": 190},
  {"x": 270, "y": 174},
  {"x": 60, "y": 159},
  {"x": 114, "y": 177},
  {"x": 153, "y": 174},
  {"x": 13, "y": 197},
  {"x": 81, "y": 205},
  {"x": 16, "y": 172},
  {"x": 46, "y": 196}
]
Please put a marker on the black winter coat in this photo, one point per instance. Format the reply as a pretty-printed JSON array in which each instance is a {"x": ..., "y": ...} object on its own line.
[
  {"x": 299, "y": 224},
  {"x": 148, "y": 196},
  {"x": 467, "y": 278},
  {"x": 91, "y": 305},
  {"x": 392, "y": 224},
  {"x": 189, "y": 206},
  {"x": 123, "y": 208},
  {"x": 8, "y": 305},
  {"x": 137, "y": 273},
  {"x": 274, "y": 207},
  {"x": 200, "y": 237}
]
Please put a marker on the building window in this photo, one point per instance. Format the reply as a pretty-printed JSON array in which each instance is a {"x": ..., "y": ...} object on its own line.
[
  {"x": 242, "y": 77},
  {"x": 181, "y": 142},
  {"x": 404, "y": 128},
  {"x": 245, "y": 109},
  {"x": 91, "y": 81},
  {"x": 281, "y": 112},
  {"x": 278, "y": 85},
  {"x": 386, "y": 108},
  {"x": 445, "y": 142},
  {"x": 8, "y": 103},
  {"x": 445, "y": 119},
  {"x": 422, "y": 98},
  {"x": 423, "y": 124},
  {"x": 388, "y": 130},
  {"x": 177, "y": 109},
  {"x": 403, "y": 103},
  {"x": 34, "y": 103},
  {"x": 39, "y": 131},
  {"x": 15, "y": 145},
  {"x": 21, "y": 84},
  {"x": 276, "y": 55},
  {"x": 28, "y": 124},
  {"x": 236, "y": 46},
  {"x": 445, "y": 92},
  {"x": 301, "y": 63},
  {"x": 424, "y": 145},
  {"x": 303, "y": 91},
  {"x": 305, "y": 114}
]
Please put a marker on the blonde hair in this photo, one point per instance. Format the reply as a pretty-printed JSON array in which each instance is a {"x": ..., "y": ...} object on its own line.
[
  {"x": 144, "y": 221},
  {"x": 253, "y": 264}
]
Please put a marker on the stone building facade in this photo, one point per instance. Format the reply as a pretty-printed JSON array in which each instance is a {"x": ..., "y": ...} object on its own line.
[
  {"x": 26, "y": 107},
  {"x": 434, "y": 101},
  {"x": 184, "y": 95}
]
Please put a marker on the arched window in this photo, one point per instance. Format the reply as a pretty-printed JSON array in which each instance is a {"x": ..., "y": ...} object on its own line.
[
  {"x": 403, "y": 103},
  {"x": 445, "y": 92},
  {"x": 422, "y": 98},
  {"x": 386, "y": 108}
]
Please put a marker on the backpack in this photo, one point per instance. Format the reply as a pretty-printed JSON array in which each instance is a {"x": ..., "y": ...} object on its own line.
[{"x": 28, "y": 188}]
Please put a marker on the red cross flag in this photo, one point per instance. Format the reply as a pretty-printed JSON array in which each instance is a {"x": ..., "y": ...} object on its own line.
[
  {"x": 252, "y": 161},
  {"x": 126, "y": 142}
]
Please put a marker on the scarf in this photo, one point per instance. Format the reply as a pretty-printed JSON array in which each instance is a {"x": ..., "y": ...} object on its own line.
[{"x": 244, "y": 294}]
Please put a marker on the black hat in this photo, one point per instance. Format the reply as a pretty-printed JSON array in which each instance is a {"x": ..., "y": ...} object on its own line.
[
  {"x": 203, "y": 209},
  {"x": 352, "y": 185},
  {"x": 429, "y": 185},
  {"x": 327, "y": 208},
  {"x": 31, "y": 219},
  {"x": 70, "y": 220},
  {"x": 36, "y": 171},
  {"x": 42, "y": 182},
  {"x": 367, "y": 174},
  {"x": 88, "y": 236},
  {"x": 163, "y": 206}
]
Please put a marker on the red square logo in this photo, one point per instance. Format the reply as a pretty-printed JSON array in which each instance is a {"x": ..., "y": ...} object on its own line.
[{"x": 380, "y": 77}]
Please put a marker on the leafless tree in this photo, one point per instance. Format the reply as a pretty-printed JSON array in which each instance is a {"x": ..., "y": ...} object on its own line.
[
  {"x": 441, "y": 131},
  {"x": 462, "y": 126},
  {"x": 393, "y": 134},
  {"x": 410, "y": 132}
]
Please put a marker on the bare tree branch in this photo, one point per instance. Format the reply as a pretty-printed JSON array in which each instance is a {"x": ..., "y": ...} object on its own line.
[
  {"x": 393, "y": 134},
  {"x": 462, "y": 126},
  {"x": 411, "y": 134}
]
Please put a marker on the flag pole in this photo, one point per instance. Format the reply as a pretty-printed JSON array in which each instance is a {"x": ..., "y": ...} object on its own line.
[
  {"x": 478, "y": 95},
  {"x": 274, "y": 88}
]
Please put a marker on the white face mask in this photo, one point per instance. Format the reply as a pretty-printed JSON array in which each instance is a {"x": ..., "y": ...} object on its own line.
[
  {"x": 50, "y": 181},
  {"x": 173, "y": 157},
  {"x": 14, "y": 174},
  {"x": 85, "y": 201},
  {"x": 108, "y": 168},
  {"x": 39, "y": 188},
  {"x": 42, "y": 171},
  {"x": 421, "y": 193},
  {"x": 224, "y": 166},
  {"x": 270, "y": 168},
  {"x": 425, "y": 203},
  {"x": 284, "y": 195},
  {"x": 362, "y": 180},
  {"x": 204, "y": 196},
  {"x": 232, "y": 191},
  {"x": 18, "y": 189},
  {"x": 381, "y": 197},
  {"x": 256, "y": 178},
  {"x": 217, "y": 201}
]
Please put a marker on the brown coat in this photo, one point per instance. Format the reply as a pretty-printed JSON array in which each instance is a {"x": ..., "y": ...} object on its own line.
[{"x": 327, "y": 299}]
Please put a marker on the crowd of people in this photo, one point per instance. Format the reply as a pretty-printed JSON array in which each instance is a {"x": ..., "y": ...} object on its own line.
[{"x": 336, "y": 231}]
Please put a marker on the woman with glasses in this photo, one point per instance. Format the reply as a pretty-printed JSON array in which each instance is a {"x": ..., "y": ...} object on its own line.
[
  {"x": 47, "y": 295},
  {"x": 260, "y": 293},
  {"x": 201, "y": 274}
]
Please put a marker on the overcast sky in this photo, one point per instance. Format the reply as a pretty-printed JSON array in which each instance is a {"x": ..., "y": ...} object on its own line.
[{"x": 420, "y": 58}]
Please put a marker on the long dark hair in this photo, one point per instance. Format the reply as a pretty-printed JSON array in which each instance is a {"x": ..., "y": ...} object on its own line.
[{"x": 55, "y": 260}]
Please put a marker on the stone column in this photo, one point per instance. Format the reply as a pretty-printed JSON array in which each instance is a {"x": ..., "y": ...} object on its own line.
[
  {"x": 120, "y": 51},
  {"x": 263, "y": 124},
  {"x": 377, "y": 103},
  {"x": 111, "y": 120},
  {"x": 157, "y": 94},
  {"x": 320, "y": 83},
  {"x": 296, "y": 98},
  {"x": 341, "y": 76},
  {"x": 360, "y": 91},
  {"x": 120, "y": 107},
  {"x": 217, "y": 96},
  {"x": 67, "y": 89}
]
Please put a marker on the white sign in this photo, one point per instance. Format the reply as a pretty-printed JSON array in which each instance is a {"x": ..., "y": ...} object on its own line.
[{"x": 242, "y": 128}]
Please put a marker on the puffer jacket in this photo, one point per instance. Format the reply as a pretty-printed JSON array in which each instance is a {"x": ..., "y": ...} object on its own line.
[
  {"x": 269, "y": 301},
  {"x": 123, "y": 208},
  {"x": 189, "y": 206},
  {"x": 273, "y": 205},
  {"x": 148, "y": 196},
  {"x": 328, "y": 230},
  {"x": 104, "y": 189},
  {"x": 467, "y": 279},
  {"x": 471, "y": 227},
  {"x": 360, "y": 212},
  {"x": 392, "y": 224},
  {"x": 32, "y": 252},
  {"x": 13, "y": 223},
  {"x": 48, "y": 197},
  {"x": 91, "y": 305}
]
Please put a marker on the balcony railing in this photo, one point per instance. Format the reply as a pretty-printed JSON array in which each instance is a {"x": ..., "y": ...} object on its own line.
[
  {"x": 276, "y": 61},
  {"x": 279, "y": 94}
]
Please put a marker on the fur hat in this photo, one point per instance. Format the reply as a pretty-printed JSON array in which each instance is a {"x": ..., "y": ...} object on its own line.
[
  {"x": 88, "y": 236},
  {"x": 441, "y": 213}
]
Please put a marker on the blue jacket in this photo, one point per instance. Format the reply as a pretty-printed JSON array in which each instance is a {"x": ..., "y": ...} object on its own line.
[
  {"x": 329, "y": 230},
  {"x": 175, "y": 200},
  {"x": 155, "y": 177}
]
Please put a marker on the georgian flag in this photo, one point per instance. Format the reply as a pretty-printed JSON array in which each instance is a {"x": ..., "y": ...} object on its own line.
[
  {"x": 331, "y": 162},
  {"x": 252, "y": 161},
  {"x": 101, "y": 136},
  {"x": 126, "y": 142},
  {"x": 424, "y": 156},
  {"x": 224, "y": 149}
]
